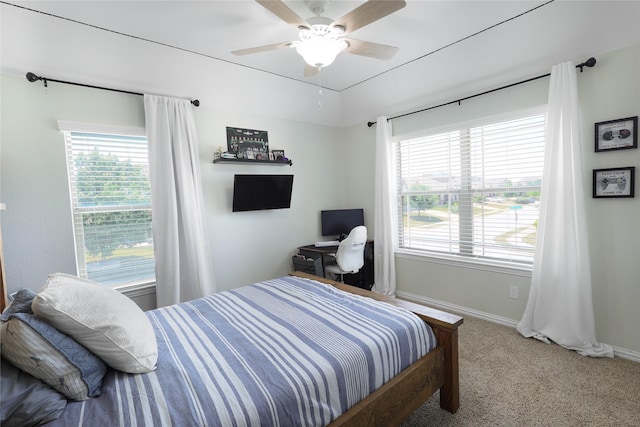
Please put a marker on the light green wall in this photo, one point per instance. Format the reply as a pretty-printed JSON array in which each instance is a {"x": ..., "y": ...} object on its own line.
[
  {"x": 246, "y": 246},
  {"x": 608, "y": 91},
  {"x": 251, "y": 246},
  {"x": 36, "y": 227}
]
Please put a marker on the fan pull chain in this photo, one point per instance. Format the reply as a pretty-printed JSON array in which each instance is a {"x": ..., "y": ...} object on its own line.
[{"x": 319, "y": 87}]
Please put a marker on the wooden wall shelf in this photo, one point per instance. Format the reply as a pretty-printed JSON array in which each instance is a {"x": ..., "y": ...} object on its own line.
[{"x": 254, "y": 161}]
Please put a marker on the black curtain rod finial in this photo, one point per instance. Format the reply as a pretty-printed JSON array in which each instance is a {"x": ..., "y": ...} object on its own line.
[
  {"x": 373, "y": 123},
  {"x": 32, "y": 77},
  {"x": 196, "y": 102},
  {"x": 591, "y": 62}
]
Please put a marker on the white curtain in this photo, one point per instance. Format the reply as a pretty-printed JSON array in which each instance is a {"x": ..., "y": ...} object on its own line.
[
  {"x": 385, "y": 213},
  {"x": 183, "y": 260},
  {"x": 560, "y": 306}
]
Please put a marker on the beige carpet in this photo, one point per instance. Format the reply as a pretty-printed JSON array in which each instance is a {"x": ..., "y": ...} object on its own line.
[{"x": 508, "y": 380}]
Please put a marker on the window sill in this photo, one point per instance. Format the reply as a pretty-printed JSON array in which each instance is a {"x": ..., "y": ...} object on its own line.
[
  {"x": 136, "y": 289},
  {"x": 513, "y": 269}
]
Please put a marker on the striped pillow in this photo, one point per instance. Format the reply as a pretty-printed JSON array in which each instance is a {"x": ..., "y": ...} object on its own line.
[{"x": 39, "y": 349}]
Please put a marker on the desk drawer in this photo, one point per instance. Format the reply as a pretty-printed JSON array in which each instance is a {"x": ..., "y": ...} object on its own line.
[{"x": 308, "y": 265}]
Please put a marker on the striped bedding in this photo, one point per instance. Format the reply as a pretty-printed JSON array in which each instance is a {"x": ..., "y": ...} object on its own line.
[{"x": 284, "y": 352}]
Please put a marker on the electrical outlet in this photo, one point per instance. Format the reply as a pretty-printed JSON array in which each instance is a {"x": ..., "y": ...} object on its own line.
[{"x": 513, "y": 292}]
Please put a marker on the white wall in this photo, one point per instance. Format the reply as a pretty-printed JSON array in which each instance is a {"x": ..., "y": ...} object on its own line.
[{"x": 608, "y": 91}]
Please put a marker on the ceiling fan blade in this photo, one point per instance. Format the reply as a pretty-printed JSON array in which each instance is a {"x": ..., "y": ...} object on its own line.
[
  {"x": 309, "y": 70},
  {"x": 367, "y": 13},
  {"x": 282, "y": 11},
  {"x": 372, "y": 50},
  {"x": 261, "y": 48}
]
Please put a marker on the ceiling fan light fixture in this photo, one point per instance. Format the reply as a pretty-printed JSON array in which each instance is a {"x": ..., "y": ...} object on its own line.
[
  {"x": 320, "y": 45},
  {"x": 319, "y": 52}
]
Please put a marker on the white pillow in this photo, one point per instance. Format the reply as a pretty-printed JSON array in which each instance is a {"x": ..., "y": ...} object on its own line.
[{"x": 106, "y": 322}]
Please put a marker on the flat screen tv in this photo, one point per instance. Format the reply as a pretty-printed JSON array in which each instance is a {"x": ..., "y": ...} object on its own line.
[
  {"x": 259, "y": 192},
  {"x": 339, "y": 222}
]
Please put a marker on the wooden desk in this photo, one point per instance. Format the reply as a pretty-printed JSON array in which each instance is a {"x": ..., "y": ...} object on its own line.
[
  {"x": 362, "y": 279},
  {"x": 322, "y": 252}
]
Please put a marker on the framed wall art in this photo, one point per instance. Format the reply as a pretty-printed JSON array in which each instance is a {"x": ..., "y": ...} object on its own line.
[
  {"x": 614, "y": 182},
  {"x": 248, "y": 143},
  {"x": 618, "y": 134},
  {"x": 277, "y": 154}
]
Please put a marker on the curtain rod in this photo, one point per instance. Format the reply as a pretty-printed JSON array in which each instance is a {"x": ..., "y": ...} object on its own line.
[
  {"x": 33, "y": 78},
  {"x": 588, "y": 63}
]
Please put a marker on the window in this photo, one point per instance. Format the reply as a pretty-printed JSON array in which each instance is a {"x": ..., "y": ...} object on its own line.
[
  {"x": 473, "y": 191},
  {"x": 111, "y": 204}
]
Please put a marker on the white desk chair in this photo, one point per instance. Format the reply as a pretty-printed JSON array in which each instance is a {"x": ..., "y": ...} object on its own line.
[{"x": 350, "y": 253}]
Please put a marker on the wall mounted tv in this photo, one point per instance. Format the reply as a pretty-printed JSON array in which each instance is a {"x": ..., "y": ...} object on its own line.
[
  {"x": 339, "y": 222},
  {"x": 259, "y": 192}
]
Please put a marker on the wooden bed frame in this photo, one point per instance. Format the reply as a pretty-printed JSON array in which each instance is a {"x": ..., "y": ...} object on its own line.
[{"x": 402, "y": 395}]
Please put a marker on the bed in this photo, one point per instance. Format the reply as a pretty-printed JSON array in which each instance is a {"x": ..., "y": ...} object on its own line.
[{"x": 296, "y": 350}]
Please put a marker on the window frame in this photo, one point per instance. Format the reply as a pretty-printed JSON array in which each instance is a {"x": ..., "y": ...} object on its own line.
[
  {"x": 139, "y": 287},
  {"x": 458, "y": 260}
]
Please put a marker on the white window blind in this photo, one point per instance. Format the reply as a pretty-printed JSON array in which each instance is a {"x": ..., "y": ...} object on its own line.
[
  {"x": 473, "y": 191},
  {"x": 111, "y": 203}
]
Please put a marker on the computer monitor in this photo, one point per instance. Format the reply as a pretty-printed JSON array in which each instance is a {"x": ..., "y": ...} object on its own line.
[{"x": 339, "y": 222}]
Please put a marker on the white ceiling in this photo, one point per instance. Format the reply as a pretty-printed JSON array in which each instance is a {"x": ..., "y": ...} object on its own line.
[{"x": 526, "y": 36}]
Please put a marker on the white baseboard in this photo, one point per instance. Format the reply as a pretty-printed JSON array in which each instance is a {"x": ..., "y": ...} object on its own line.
[
  {"x": 617, "y": 351},
  {"x": 626, "y": 354}
]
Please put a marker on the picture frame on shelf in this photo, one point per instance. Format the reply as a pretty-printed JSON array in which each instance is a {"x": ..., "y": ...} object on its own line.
[
  {"x": 620, "y": 134},
  {"x": 614, "y": 182},
  {"x": 248, "y": 143},
  {"x": 277, "y": 155}
]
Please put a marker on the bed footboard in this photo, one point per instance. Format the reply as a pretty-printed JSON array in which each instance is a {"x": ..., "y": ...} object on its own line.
[
  {"x": 439, "y": 369},
  {"x": 401, "y": 396}
]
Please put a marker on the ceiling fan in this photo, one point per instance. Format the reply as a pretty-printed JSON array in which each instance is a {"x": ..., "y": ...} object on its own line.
[{"x": 322, "y": 39}]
